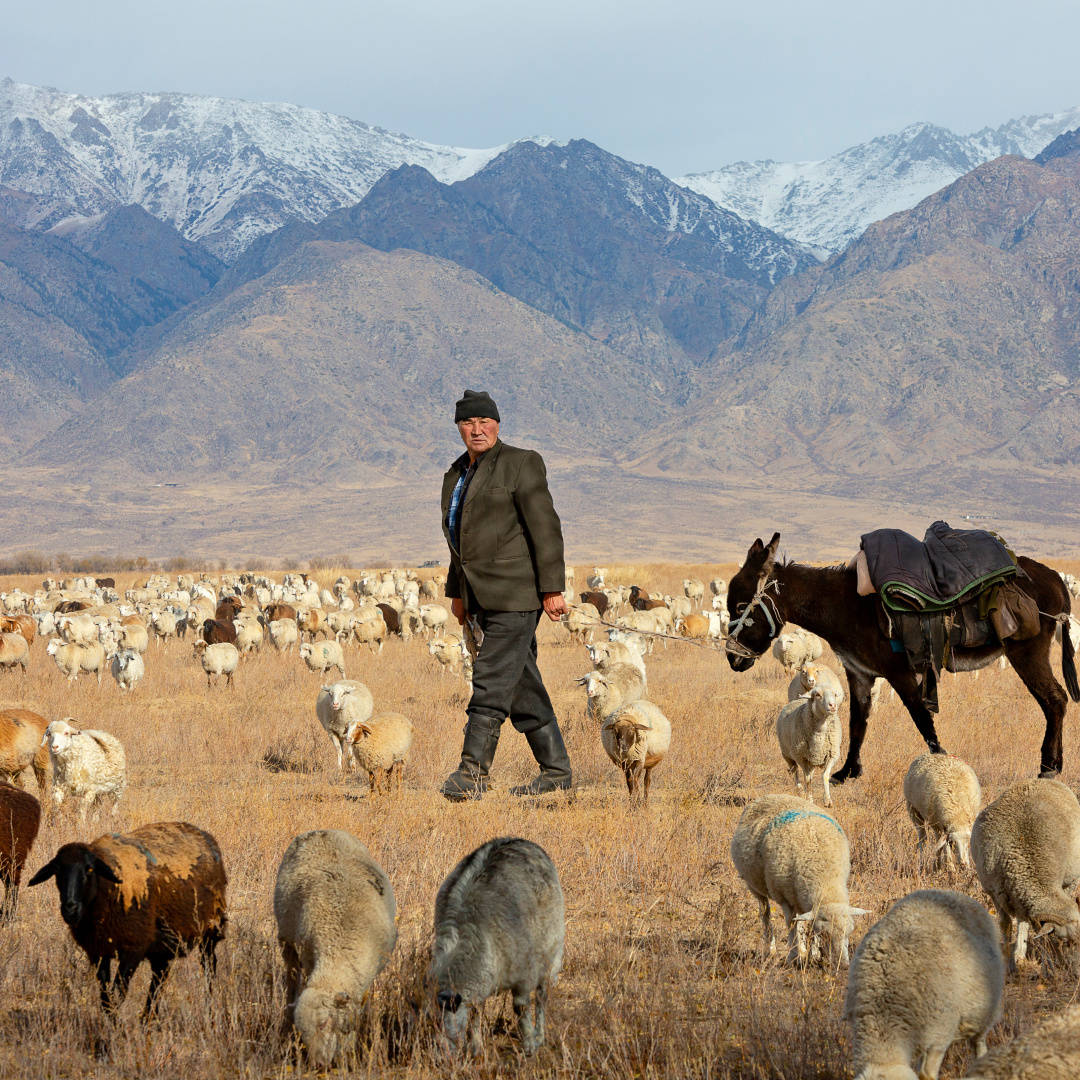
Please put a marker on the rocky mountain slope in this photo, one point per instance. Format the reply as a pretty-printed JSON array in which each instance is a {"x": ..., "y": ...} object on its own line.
[{"x": 828, "y": 203}]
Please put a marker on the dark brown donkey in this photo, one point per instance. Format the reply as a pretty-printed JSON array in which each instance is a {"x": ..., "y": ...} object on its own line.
[{"x": 765, "y": 594}]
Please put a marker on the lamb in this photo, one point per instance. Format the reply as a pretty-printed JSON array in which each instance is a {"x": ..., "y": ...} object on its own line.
[
  {"x": 150, "y": 894},
  {"x": 322, "y": 656},
  {"x": 927, "y": 973},
  {"x": 1026, "y": 846},
  {"x": 218, "y": 659},
  {"x": 21, "y": 746},
  {"x": 339, "y": 705},
  {"x": 20, "y": 816},
  {"x": 1049, "y": 1051},
  {"x": 809, "y": 732},
  {"x": 87, "y": 765},
  {"x": 608, "y": 690},
  {"x": 943, "y": 796},
  {"x": 796, "y": 647},
  {"x": 379, "y": 745},
  {"x": 284, "y": 634},
  {"x": 499, "y": 925},
  {"x": 798, "y": 857},
  {"x": 14, "y": 650},
  {"x": 74, "y": 660},
  {"x": 636, "y": 737},
  {"x": 127, "y": 668},
  {"x": 335, "y": 909},
  {"x": 813, "y": 674}
]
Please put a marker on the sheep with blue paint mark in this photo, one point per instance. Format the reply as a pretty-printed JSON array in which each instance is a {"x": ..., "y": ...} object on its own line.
[{"x": 792, "y": 854}]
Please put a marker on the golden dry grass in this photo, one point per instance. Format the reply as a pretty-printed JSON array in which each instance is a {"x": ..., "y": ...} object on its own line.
[{"x": 665, "y": 974}]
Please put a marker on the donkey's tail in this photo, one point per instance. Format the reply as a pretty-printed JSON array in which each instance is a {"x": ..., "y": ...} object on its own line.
[{"x": 1068, "y": 664}]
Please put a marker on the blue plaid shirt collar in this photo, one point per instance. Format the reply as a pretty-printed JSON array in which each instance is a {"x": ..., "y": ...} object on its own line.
[{"x": 457, "y": 499}]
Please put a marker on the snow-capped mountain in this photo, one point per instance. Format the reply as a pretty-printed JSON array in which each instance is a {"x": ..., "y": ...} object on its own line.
[
  {"x": 220, "y": 171},
  {"x": 828, "y": 203}
]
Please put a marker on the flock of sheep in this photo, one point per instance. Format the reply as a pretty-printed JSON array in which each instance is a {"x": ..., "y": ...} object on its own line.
[{"x": 932, "y": 970}]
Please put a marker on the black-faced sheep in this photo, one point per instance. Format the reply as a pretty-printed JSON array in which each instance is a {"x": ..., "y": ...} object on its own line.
[{"x": 151, "y": 894}]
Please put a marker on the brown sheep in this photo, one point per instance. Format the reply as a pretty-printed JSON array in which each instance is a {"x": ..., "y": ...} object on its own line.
[
  {"x": 19, "y": 624},
  {"x": 228, "y": 609},
  {"x": 598, "y": 600},
  {"x": 391, "y": 618},
  {"x": 66, "y": 607},
  {"x": 20, "y": 816},
  {"x": 21, "y": 732},
  {"x": 273, "y": 612},
  {"x": 105, "y": 582},
  {"x": 215, "y": 631},
  {"x": 151, "y": 894}
]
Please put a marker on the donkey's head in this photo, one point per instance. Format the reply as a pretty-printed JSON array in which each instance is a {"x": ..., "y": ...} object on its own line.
[{"x": 754, "y": 617}]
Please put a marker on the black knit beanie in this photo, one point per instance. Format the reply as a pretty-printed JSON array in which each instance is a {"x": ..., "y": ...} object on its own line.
[{"x": 476, "y": 403}]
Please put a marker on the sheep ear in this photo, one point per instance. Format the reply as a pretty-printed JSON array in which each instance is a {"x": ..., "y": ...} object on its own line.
[
  {"x": 1047, "y": 928},
  {"x": 582, "y": 681},
  {"x": 46, "y": 872},
  {"x": 103, "y": 869}
]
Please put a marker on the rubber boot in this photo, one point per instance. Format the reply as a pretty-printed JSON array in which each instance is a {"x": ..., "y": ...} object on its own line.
[
  {"x": 469, "y": 780},
  {"x": 548, "y": 748}
]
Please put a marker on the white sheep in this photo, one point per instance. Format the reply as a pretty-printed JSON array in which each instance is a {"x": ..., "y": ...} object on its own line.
[
  {"x": 610, "y": 689},
  {"x": 451, "y": 653},
  {"x": 605, "y": 654},
  {"x": 1049, "y": 1051},
  {"x": 943, "y": 797},
  {"x": 1026, "y": 847},
  {"x": 809, "y": 732},
  {"x": 927, "y": 973},
  {"x": 337, "y": 706},
  {"x": 499, "y": 925},
  {"x": 798, "y": 857},
  {"x": 335, "y": 910},
  {"x": 811, "y": 674},
  {"x": 370, "y": 631},
  {"x": 74, "y": 660},
  {"x": 127, "y": 668},
  {"x": 249, "y": 634},
  {"x": 636, "y": 737},
  {"x": 795, "y": 647},
  {"x": 321, "y": 656},
  {"x": 87, "y": 765},
  {"x": 77, "y": 629},
  {"x": 693, "y": 589},
  {"x": 581, "y": 621},
  {"x": 14, "y": 650},
  {"x": 218, "y": 659},
  {"x": 434, "y": 617},
  {"x": 164, "y": 624},
  {"x": 284, "y": 634},
  {"x": 133, "y": 635},
  {"x": 379, "y": 746}
]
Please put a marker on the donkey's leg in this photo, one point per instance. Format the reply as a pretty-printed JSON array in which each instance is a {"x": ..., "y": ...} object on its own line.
[
  {"x": 911, "y": 696},
  {"x": 1031, "y": 661},
  {"x": 859, "y": 687}
]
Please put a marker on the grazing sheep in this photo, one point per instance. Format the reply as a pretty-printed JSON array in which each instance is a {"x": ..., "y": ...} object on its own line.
[
  {"x": 943, "y": 796},
  {"x": 74, "y": 660},
  {"x": 379, "y": 746},
  {"x": 87, "y": 765},
  {"x": 322, "y": 656},
  {"x": 77, "y": 629},
  {"x": 927, "y": 973},
  {"x": 21, "y": 746},
  {"x": 451, "y": 653},
  {"x": 20, "y": 816},
  {"x": 218, "y": 659},
  {"x": 434, "y": 618},
  {"x": 636, "y": 737},
  {"x": 796, "y": 647},
  {"x": 499, "y": 925},
  {"x": 127, "y": 668},
  {"x": 1049, "y": 1051},
  {"x": 605, "y": 654},
  {"x": 335, "y": 910},
  {"x": 150, "y": 894},
  {"x": 133, "y": 635},
  {"x": 14, "y": 650},
  {"x": 1026, "y": 846},
  {"x": 284, "y": 634},
  {"x": 249, "y": 634},
  {"x": 164, "y": 625},
  {"x": 813, "y": 674},
  {"x": 809, "y": 732},
  {"x": 370, "y": 631},
  {"x": 608, "y": 690},
  {"x": 799, "y": 858},
  {"x": 339, "y": 705},
  {"x": 581, "y": 621},
  {"x": 341, "y": 624}
]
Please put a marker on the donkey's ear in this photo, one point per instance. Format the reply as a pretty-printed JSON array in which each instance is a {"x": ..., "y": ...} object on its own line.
[{"x": 770, "y": 554}]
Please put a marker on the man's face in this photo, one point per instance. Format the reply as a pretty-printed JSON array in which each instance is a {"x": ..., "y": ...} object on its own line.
[{"x": 478, "y": 434}]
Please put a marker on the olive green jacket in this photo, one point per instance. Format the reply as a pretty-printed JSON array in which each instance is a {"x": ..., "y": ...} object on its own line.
[{"x": 511, "y": 537}]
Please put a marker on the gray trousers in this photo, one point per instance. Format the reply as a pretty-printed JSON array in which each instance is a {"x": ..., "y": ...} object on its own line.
[{"x": 506, "y": 680}]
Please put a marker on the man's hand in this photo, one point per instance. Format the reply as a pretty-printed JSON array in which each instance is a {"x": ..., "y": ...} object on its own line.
[
  {"x": 555, "y": 605},
  {"x": 457, "y": 607}
]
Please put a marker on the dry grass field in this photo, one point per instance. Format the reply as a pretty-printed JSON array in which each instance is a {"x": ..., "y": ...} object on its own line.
[{"x": 665, "y": 974}]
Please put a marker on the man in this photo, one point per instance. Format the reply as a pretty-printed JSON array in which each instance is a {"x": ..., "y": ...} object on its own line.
[{"x": 506, "y": 564}]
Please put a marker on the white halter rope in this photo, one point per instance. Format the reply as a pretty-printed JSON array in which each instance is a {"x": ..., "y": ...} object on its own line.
[{"x": 769, "y": 609}]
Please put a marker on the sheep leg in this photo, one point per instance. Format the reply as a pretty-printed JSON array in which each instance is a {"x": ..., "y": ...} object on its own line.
[
  {"x": 208, "y": 952},
  {"x": 1020, "y": 949},
  {"x": 292, "y": 985},
  {"x": 159, "y": 968},
  {"x": 526, "y": 1028},
  {"x": 472, "y": 1031},
  {"x": 931, "y": 1064},
  {"x": 541, "y": 1007},
  {"x": 228, "y": 679},
  {"x": 628, "y": 774},
  {"x": 648, "y": 776},
  {"x": 1005, "y": 922},
  {"x": 808, "y": 780},
  {"x": 113, "y": 994},
  {"x": 825, "y": 775},
  {"x": 766, "y": 925}
]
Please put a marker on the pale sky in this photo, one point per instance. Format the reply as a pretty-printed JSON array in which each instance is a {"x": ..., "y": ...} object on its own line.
[{"x": 685, "y": 85}]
